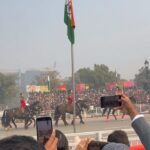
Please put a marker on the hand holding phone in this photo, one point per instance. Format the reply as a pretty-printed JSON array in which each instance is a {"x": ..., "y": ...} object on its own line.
[
  {"x": 110, "y": 101},
  {"x": 44, "y": 129}
]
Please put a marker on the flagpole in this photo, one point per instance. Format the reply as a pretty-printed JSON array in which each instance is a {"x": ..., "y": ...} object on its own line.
[
  {"x": 48, "y": 83},
  {"x": 73, "y": 87},
  {"x": 69, "y": 21}
]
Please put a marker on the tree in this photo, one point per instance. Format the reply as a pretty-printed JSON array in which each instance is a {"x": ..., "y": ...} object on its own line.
[
  {"x": 97, "y": 77},
  {"x": 42, "y": 79},
  {"x": 142, "y": 79},
  {"x": 85, "y": 75}
]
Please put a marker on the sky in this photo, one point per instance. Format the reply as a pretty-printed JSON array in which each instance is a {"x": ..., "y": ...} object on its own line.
[{"x": 115, "y": 33}]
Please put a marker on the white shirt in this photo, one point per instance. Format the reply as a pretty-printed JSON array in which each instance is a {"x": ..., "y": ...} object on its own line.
[{"x": 136, "y": 117}]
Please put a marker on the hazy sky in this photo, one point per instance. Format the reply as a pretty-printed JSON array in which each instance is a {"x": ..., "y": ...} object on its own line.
[{"x": 115, "y": 33}]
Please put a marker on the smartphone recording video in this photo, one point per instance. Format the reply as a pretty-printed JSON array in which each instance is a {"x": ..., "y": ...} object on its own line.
[
  {"x": 44, "y": 129},
  {"x": 110, "y": 101}
]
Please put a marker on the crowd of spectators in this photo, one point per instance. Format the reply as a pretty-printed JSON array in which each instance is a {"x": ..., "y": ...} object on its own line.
[
  {"x": 51, "y": 99},
  {"x": 117, "y": 140}
]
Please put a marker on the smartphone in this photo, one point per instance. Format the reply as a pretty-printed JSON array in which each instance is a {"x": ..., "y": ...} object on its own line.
[
  {"x": 44, "y": 129},
  {"x": 110, "y": 101}
]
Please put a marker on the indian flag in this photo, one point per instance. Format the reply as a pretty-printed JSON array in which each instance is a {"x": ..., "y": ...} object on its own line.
[
  {"x": 49, "y": 84},
  {"x": 69, "y": 20}
]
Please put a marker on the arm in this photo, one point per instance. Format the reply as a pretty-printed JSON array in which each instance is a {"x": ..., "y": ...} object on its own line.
[
  {"x": 128, "y": 107},
  {"x": 141, "y": 127},
  {"x": 52, "y": 142},
  {"x": 83, "y": 144}
]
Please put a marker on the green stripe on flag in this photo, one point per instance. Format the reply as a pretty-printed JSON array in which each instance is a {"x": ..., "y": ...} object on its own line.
[{"x": 67, "y": 20}]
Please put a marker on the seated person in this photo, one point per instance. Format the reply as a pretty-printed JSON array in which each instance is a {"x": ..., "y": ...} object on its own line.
[
  {"x": 19, "y": 142},
  {"x": 115, "y": 146},
  {"x": 96, "y": 145},
  {"x": 84, "y": 144},
  {"x": 118, "y": 136}
]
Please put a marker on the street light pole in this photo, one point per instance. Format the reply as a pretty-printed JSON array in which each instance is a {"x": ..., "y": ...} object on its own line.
[
  {"x": 20, "y": 83},
  {"x": 146, "y": 63}
]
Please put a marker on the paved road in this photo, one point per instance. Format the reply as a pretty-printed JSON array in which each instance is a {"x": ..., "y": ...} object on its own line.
[{"x": 91, "y": 124}]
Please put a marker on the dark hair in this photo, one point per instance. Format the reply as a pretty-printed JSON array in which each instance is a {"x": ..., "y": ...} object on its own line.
[
  {"x": 96, "y": 145},
  {"x": 62, "y": 141},
  {"x": 19, "y": 142},
  {"x": 118, "y": 136}
]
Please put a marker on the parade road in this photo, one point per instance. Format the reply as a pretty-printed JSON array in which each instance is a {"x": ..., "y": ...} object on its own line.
[{"x": 91, "y": 124}]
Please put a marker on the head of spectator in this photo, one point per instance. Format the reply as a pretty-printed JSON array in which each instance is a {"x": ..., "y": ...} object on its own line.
[
  {"x": 19, "y": 142},
  {"x": 96, "y": 145},
  {"x": 115, "y": 146},
  {"x": 88, "y": 144},
  {"x": 62, "y": 141},
  {"x": 118, "y": 136}
]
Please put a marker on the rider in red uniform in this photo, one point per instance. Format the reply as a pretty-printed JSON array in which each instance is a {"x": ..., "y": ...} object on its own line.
[
  {"x": 70, "y": 97},
  {"x": 70, "y": 100},
  {"x": 22, "y": 103}
]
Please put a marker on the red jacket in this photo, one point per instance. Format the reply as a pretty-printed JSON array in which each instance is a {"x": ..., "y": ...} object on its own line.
[
  {"x": 137, "y": 147},
  {"x": 23, "y": 103},
  {"x": 70, "y": 99}
]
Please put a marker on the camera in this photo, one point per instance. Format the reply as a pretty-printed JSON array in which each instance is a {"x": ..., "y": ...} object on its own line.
[
  {"x": 44, "y": 129},
  {"x": 110, "y": 101}
]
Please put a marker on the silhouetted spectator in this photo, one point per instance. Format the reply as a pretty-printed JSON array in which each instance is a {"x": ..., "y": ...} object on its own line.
[{"x": 118, "y": 136}]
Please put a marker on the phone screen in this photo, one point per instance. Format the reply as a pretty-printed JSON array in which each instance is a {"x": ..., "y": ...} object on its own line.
[
  {"x": 110, "y": 101},
  {"x": 44, "y": 129}
]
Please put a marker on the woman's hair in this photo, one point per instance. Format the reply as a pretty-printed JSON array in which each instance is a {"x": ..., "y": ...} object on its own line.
[
  {"x": 62, "y": 141},
  {"x": 118, "y": 136},
  {"x": 19, "y": 142},
  {"x": 96, "y": 145}
]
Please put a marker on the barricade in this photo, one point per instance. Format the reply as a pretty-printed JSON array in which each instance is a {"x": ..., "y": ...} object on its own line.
[{"x": 101, "y": 136}]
